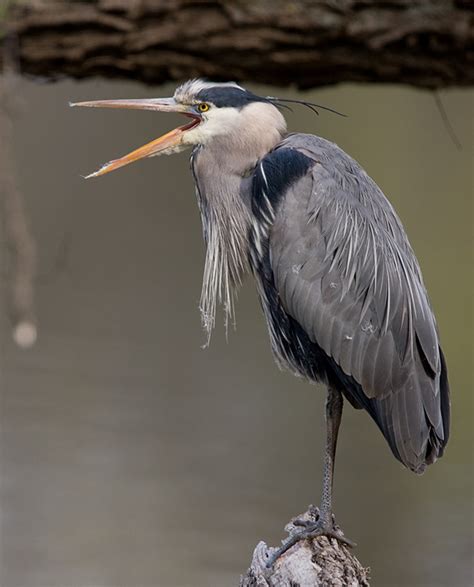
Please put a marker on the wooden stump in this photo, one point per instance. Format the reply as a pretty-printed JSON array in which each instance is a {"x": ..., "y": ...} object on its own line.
[{"x": 319, "y": 562}]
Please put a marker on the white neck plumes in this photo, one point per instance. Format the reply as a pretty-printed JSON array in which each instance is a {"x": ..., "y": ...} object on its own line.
[{"x": 222, "y": 166}]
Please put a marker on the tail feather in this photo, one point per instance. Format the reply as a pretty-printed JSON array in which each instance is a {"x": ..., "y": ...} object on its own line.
[{"x": 415, "y": 419}]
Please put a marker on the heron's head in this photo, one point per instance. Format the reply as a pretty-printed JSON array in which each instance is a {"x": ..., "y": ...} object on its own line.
[{"x": 223, "y": 112}]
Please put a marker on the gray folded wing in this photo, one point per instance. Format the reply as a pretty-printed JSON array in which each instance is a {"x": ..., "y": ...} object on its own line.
[{"x": 346, "y": 273}]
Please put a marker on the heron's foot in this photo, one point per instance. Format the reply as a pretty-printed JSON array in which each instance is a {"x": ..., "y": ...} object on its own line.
[{"x": 307, "y": 529}]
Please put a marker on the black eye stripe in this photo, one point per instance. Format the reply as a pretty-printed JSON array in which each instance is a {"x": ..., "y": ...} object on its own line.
[{"x": 222, "y": 97}]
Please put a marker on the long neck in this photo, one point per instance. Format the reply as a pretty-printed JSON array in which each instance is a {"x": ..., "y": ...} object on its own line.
[{"x": 222, "y": 170}]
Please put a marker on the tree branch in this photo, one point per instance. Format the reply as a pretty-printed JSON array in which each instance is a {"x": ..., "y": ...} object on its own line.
[{"x": 424, "y": 43}]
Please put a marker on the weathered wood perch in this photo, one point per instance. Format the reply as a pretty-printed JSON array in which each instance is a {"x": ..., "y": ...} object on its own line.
[
  {"x": 307, "y": 43},
  {"x": 320, "y": 562}
]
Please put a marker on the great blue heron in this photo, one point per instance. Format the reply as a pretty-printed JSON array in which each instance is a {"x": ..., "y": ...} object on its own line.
[{"x": 338, "y": 282}]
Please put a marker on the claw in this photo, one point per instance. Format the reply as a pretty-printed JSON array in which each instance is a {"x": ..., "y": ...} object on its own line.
[
  {"x": 302, "y": 523},
  {"x": 310, "y": 529}
]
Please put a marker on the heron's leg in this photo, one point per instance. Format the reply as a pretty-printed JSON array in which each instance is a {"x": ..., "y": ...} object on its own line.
[
  {"x": 324, "y": 524},
  {"x": 334, "y": 403}
]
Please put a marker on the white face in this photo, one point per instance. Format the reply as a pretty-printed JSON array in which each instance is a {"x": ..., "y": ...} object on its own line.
[
  {"x": 249, "y": 132},
  {"x": 215, "y": 122},
  {"x": 237, "y": 123}
]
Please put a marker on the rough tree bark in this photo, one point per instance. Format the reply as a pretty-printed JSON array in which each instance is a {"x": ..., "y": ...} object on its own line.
[{"x": 308, "y": 43}]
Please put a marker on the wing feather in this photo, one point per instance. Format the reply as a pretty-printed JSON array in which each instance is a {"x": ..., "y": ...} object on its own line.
[{"x": 344, "y": 270}]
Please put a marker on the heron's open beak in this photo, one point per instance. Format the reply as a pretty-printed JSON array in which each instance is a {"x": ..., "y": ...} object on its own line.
[{"x": 168, "y": 143}]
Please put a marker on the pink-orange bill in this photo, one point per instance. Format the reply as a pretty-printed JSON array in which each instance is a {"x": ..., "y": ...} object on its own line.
[{"x": 169, "y": 141}]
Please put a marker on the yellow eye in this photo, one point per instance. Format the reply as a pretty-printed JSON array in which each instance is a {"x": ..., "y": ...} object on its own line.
[{"x": 203, "y": 107}]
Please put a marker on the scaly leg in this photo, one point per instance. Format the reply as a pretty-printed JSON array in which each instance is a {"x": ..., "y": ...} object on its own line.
[
  {"x": 333, "y": 420},
  {"x": 324, "y": 525}
]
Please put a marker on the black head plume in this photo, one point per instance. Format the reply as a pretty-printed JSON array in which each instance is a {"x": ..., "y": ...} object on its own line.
[{"x": 311, "y": 105}]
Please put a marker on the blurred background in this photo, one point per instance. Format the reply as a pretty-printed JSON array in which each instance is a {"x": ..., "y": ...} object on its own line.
[{"x": 130, "y": 455}]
